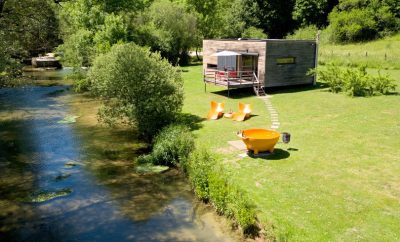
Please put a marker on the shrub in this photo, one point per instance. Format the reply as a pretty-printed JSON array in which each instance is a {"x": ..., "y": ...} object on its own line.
[
  {"x": 138, "y": 86},
  {"x": 383, "y": 84},
  {"x": 198, "y": 168},
  {"x": 211, "y": 183},
  {"x": 172, "y": 146},
  {"x": 218, "y": 190},
  {"x": 331, "y": 76},
  {"x": 359, "y": 20},
  {"x": 354, "y": 81},
  {"x": 308, "y": 32},
  {"x": 253, "y": 32},
  {"x": 81, "y": 83},
  {"x": 243, "y": 211},
  {"x": 357, "y": 82}
]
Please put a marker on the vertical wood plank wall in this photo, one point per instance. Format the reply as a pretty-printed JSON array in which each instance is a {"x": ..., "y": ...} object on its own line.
[
  {"x": 269, "y": 71},
  {"x": 289, "y": 74},
  {"x": 254, "y": 46}
]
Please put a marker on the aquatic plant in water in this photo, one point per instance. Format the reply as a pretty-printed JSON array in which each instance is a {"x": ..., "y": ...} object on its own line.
[
  {"x": 149, "y": 168},
  {"x": 62, "y": 176},
  {"x": 68, "y": 120},
  {"x": 44, "y": 196},
  {"x": 71, "y": 164}
]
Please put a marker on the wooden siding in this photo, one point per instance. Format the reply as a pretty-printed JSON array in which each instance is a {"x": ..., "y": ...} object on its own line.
[
  {"x": 212, "y": 46},
  {"x": 289, "y": 74}
]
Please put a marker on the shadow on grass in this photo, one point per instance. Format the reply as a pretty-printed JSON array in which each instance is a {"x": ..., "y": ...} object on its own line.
[
  {"x": 249, "y": 92},
  {"x": 190, "y": 120},
  {"x": 295, "y": 88},
  {"x": 278, "y": 154},
  {"x": 236, "y": 93}
]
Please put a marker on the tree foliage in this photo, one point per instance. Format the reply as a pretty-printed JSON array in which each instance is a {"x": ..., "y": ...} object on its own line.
[
  {"x": 358, "y": 20},
  {"x": 167, "y": 27},
  {"x": 313, "y": 12},
  {"x": 27, "y": 28},
  {"x": 272, "y": 16},
  {"x": 209, "y": 16},
  {"x": 138, "y": 86}
]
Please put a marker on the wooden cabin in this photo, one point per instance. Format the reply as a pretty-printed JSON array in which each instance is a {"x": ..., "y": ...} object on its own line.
[{"x": 258, "y": 63}]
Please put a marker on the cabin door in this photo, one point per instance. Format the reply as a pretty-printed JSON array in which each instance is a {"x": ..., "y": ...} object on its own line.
[{"x": 249, "y": 63}]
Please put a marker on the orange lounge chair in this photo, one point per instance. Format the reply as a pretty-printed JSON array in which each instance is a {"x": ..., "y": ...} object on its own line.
[
  {"x": 243, "y": 113},
  {"x": 216, "y": 110}
]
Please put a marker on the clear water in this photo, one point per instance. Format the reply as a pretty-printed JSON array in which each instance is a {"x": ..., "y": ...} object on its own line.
[{"x": 108, "y": 200}]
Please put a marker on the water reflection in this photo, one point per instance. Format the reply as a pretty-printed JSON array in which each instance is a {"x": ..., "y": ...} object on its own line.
[{"x": 109, "y": 201}]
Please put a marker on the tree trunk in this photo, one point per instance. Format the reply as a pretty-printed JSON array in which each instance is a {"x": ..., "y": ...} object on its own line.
[{"x": 2, "y": 2}]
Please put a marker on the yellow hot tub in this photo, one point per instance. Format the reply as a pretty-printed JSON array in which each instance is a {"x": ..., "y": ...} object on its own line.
[{"x": 259, "y": 140}]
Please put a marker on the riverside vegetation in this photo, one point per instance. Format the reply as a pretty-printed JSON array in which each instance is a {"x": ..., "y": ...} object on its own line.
[{"x": 130, "y": 47}]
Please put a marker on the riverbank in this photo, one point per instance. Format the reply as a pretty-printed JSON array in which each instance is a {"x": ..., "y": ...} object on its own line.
[
  {"x": 69, "y": 178},
  {"x": 333, "y": 180}
]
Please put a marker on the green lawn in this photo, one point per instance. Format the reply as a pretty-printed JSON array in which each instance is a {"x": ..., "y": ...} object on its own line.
[
  {"x": 339, "y": 181},
  {"x": 371, "y": 54}
]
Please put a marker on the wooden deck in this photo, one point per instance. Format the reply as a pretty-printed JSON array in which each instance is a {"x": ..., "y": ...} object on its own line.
[{"x": 232, "y": 79}]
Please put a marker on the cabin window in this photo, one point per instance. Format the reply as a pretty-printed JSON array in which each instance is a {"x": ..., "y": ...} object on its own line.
[
  {"x": 249, "y": 63},
  {"x": 211, "y": 66},
  {"x": 286, "y": 60}
]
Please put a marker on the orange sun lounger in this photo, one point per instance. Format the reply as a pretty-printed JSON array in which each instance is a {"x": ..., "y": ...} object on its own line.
[
  {"x": 243, "y": 113},
  {"x": 216, "y": 110}
]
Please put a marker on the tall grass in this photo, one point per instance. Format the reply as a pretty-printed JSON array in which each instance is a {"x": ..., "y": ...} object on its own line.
[{"x": 381, "y": 54}]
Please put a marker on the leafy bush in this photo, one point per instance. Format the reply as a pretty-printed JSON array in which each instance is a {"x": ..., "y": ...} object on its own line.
[
  {"x": 243, "y": 210},
  {"x": 79, "y": 76},
  {"x": 168, "y": 28},
  {"x": 81, "y": 85},
  {"x": 359, "y": 20},
  {"x": 211, "y": 183},
  {"x": 357, "y": 82},
  {"x": 354, "y": 81},
  {"x": 198, "y": 168},
  {"x": 218, "y": 190},
  {"x": 253, "y": 32},
  {"x": 171, "y": 147},
  {"x": 383, "y": 84},
  {"x": 77, "y": 49},
  {"x": 331, "y": 76},
  {"x": 138, "y": 86},
  {"x": 308, "y": 32}
]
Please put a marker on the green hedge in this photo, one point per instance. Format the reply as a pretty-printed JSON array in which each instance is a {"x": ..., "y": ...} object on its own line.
[
  {"x": 211, "y": 183},
  {"x": 172, "y": 146},
  {"x": 354, "y": 81}
]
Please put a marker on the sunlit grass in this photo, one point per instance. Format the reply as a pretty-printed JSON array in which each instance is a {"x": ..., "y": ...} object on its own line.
[
  {"x": 383, "y": 53},
  {"x": 338, "y": 178}
]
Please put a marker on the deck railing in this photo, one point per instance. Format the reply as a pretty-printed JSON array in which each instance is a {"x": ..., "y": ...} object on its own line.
[{"x": 217, "y": 76}]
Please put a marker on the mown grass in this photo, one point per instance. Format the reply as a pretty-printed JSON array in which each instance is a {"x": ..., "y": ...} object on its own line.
[
  {"x": 338, "y": 178},
  {"x": 383, "y": 53}
]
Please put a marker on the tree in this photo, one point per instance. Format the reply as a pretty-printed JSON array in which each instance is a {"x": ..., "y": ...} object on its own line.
[
  {"x": 111, "y": 32},
  {"x": 2, "y": 2},
  {"x": 138, "y": 86},
  {"x": 89, "y": 30},
  {"x": 209, "y": 16},
  {"x": 167, "y": 27},
  {"x": 359, "y": 20},
  {"x": 27, "y": 28},
  {"x": 313, "y": 12},
  {"x": 274, "y": 17}
]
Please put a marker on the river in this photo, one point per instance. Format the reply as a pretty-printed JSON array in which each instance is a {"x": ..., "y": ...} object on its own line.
[{"x": 62, "y": 180}]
